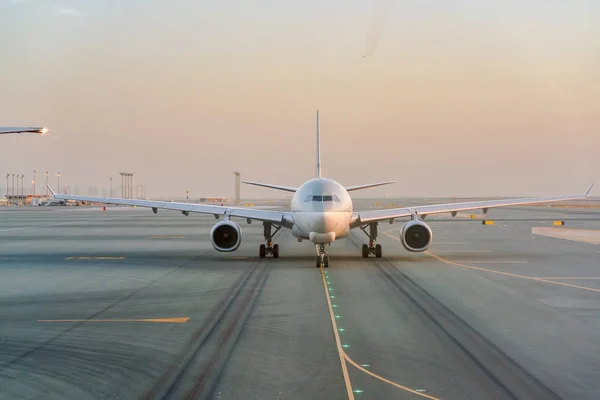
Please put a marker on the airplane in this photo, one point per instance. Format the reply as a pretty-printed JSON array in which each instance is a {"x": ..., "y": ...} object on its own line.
[
  {"x": 321, "y": 211},
  {"x": 6, "y": 130}
]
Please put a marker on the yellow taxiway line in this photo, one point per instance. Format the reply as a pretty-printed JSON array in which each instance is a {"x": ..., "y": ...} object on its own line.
[
  {"x": 337, "y": 341},
  {"x": 345, "y": 357},
  {"x": 182, "y": 320},
  {"x": 531, "y": 278}
]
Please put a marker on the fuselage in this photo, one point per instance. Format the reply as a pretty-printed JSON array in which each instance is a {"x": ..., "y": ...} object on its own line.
[{"x": 322, "y": 211}]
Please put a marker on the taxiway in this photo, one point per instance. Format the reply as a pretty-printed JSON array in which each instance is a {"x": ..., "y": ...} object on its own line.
[{"x": 127, "y": 304}]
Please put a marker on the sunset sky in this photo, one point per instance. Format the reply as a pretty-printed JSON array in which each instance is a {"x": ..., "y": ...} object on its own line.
[{"x": 452, "y": 98}]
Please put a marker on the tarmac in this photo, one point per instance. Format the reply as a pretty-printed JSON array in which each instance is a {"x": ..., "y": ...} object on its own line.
[{"x": 126, "y": 304}]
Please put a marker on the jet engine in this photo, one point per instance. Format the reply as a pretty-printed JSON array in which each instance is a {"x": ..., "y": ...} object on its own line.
[
  {"x": 416, "y": 236},
  {"x": 226, "y": 236}
]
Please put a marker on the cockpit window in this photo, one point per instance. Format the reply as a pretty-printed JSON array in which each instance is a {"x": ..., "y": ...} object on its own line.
[{"x": 320, "y": 199}]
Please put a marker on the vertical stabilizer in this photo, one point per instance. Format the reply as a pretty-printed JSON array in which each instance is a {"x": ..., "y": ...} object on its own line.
[{"x": 318, "y": 166}]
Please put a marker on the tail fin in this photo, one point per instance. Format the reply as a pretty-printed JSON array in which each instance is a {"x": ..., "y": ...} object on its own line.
[{"x": 318, "y": 166}]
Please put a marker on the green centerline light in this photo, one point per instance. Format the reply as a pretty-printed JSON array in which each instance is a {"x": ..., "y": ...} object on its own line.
[
  {"x": 333, "y": 297},
  {"x": 334, "y": 305},
  {"x": 345, "y": 346},
  {"x": 341, "y": 329},
  {"x": 358, "y": 391},
  {"x": 364, "y": 365},
  {"x": 338, "y": 316},
  {"x": 330, "y": 288}
]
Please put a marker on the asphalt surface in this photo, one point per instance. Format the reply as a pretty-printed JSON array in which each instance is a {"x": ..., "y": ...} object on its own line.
[{"x": 131, "y": 305}]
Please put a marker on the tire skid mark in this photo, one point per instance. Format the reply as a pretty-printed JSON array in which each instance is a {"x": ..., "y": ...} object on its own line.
[
  {"x": 509, "y": 376},
  {"x": 28, "y": 353},
  {"x": 204, "y": 385},
  {"x": 217, "y": 338}
]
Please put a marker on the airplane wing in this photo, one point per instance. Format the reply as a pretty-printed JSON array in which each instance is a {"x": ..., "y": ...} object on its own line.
[
  {"x": 364, "y": 217},
  {"x": 7, "y": 130},
  {"x": 275, "y": 217}
]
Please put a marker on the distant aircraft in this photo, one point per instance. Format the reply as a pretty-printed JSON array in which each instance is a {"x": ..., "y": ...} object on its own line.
[
  {"x": 7, "y": 130},
  {"x": 322, "y": 212}
]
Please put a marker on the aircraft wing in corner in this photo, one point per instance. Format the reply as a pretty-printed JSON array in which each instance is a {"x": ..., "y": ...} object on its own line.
[{"x": 6, "y": 130}]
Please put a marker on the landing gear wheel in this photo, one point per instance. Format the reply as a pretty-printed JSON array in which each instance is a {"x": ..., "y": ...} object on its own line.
[
  {"x": 365, "y": 251},
  {"x": 262, "y": 251},
  {"x": 275, "y": 251},
  {"x": 378, "y": 251}
]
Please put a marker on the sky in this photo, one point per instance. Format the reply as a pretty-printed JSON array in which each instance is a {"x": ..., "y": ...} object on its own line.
[{"x": 449, "y": 98}]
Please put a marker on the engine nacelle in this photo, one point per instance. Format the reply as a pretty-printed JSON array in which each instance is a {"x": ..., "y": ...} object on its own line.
[
  {"x": 416, "y": 236},
  {"x": 226, "y": 236}
]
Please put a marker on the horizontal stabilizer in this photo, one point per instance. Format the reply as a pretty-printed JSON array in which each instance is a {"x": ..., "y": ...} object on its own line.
[
  {"x": 369, "y": 185},
  {"x": 276, "y": 187}
]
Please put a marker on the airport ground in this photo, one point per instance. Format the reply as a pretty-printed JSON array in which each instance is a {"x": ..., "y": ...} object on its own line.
[{"x": 127, "y": 304}]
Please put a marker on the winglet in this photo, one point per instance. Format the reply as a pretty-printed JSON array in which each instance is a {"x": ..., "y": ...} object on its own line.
[
  {"x": 587, "y": 192},
  {"x": 51, "y": 191}
]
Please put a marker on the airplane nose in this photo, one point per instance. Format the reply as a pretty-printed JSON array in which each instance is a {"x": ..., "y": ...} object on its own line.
[{"x": 326, "y": 222}]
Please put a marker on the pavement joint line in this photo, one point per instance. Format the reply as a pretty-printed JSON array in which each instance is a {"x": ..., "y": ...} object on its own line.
[
  {"x": 22, "y": 228},
  {"x": 96, "y": 258},
  {"x": 532, "y": 278},
  {"x": 166, "y": 237},
  {"x": 492, "y": 262},
  {"x": 344, "y": 357},
  {"x": 578, "y": 278},
  {"x": 462, "y": 250}
]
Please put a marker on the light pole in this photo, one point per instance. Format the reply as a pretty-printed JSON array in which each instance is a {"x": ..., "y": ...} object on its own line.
[
  {"x": 131, "y": 186},
  {"x": 110, "y": 179},
  {"x": 22, "y": 189},
  {"x": 7, "y": 176},
  {"x": 46, "y": 183},
  {"x": 122, "y": 184},
  {"x": 33, "y": 183},
  {"x": 58, "y": 182},
  {"x": 237, "y": 188},
  {"x": 13, "y": 189}
]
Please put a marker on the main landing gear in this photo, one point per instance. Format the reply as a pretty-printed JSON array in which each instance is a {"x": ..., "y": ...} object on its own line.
[
  {"x": 269, "y": 247},
  {"x": 371, "y": 248},
  {"x": 322, "y": 257}
]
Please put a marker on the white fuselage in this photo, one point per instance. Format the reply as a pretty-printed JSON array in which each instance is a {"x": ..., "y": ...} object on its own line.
[{"x": 322, "y": 211}]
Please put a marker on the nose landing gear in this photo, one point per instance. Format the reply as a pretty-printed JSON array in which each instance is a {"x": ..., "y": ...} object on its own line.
[
  {"x": 371, "y": 248},
  {"x": 322, "y": 257},
  {"x": 269, "y": 247}
]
